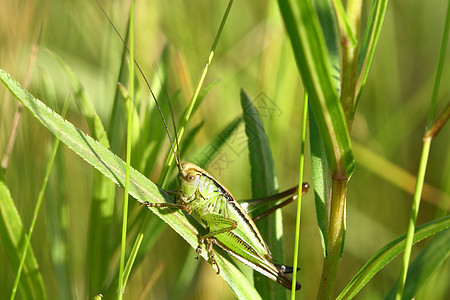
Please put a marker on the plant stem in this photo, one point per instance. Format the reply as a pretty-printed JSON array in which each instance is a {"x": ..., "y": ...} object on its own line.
[
  {"x": 413, "y": 218},
  {"x": 122, "y": 278},
  {"x": 336, "y": 232},
  {"x": 40, "y": 199},
  {"x": 299, "y": 202},
  {"x": 432, "y": 128},
  {"x": 187, "y": 115},
  {"x": 350, "y": 52}
]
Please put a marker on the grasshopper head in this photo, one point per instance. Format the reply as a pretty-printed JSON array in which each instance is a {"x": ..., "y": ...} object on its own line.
[{"x": 189, "y": 178}]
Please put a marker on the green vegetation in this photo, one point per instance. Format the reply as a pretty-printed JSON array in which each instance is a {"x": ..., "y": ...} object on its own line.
[{"x": 373, "y": 94}]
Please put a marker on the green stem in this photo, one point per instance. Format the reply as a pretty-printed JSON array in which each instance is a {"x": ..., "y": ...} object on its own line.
[
  {"x": 335, "y": 232},
  {"x": 433, "y": 128},
  {"x": 299, "y": 202},
  {"x": 170, "y": 157},
  {"x": 122, "y": 279},
  {"x": 350, "y": 52},
  {"x": 37, "y": 208},
  {"x": 413, "y": 218}
]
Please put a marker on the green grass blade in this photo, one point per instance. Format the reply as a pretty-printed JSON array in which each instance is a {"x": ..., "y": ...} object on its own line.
[
  {"x": 115, "y": 125},
  {"x": 56, "y": 212},
  {"x": 424, "y": 159},
  {"x": 413, "y": 216},
  {"x": 37, "y": 209},
  {"x": 311, "y": 56},
  {"x": 426, "y": 263},
  {"x": 103, "y": 193},
  {"x": 299, "y": 203},
  {"x": 12, "y": 234},
  {"x": 369, "y": 42},
  {"x": 132, "y": 258},
  {"x": 387, "y": 253},
  {"x": 130, "y": 110},
  {"x": 206, "y": 155},
  {"x": 84, "y": 102},
  {"x": 141, "y": 188},
  {"x": 264, "y": 183},
  {"x": 194, "y": 98},
  {"x": 321, "y": 179}
]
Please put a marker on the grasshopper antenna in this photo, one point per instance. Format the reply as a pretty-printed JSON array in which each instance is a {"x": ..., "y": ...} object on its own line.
[
  {"x": 149, "y": 87},
  {"x": 172, "y": 117}
]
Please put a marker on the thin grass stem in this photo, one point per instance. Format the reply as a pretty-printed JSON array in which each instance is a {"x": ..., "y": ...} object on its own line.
[
  {"x": 37, "y": 208},
  {"x": 299, "y": 203},
  {"x": 122, "y": 277},
  {"x": 423, "y": 163},
  {"x": 170, "y": 157}
]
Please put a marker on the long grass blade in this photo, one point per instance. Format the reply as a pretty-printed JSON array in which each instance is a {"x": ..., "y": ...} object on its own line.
[
  {"x": 387, "y": 254},
  {"x": 369, "y": 42},
  {"x": 36, "y": 210},
  {"x": 264, "y": 183},
  {"x": 192, "y": 102},
  {"x": 299, "y": 203},
  {"x": 427, "y": 262},
  {"x": 12, "y": 235},
  {"x": 102, "y": 201},
  {"x": 130, "y": 109},
  {"x": 113, "y": 167},
  {"x": 423, "y": 162},
  {"x": 311, "y": 56}
]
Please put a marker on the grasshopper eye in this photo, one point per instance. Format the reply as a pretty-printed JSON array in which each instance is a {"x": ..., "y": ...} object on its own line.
[{"x": 190, "y": 178}]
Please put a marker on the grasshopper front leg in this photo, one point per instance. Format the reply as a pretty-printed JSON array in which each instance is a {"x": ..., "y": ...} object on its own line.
[
  {"x": 223, "y": 224},
  {"x": 184, "y": 207}
]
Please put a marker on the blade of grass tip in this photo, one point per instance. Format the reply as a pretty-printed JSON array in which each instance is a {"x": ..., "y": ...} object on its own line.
[
  {"x": 369, "y": 43},
  {"x": 188, "y": 113},
  {"x": 122, "y": 279},
  {"x": 423, "y": 163},
  {"x": 36, "y": 209},
  {"x": 299, "y": 201}
]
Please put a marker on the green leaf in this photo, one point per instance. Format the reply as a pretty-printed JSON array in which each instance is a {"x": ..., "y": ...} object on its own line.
[
  {"x": 103, "y": 194},
  {"x": 264, "y": 183},
  {"x": 387, "y": 253},
  {"x": 321, "y": 179},
  {"x": 428, "y": 261},
  {"x": 369, "y": 42},
  {"x": 209, "y": 152},
  {"x": 310, "y": 52},
  {"x": 12, "y": 235},
  {"x": 141, "y": 188}
]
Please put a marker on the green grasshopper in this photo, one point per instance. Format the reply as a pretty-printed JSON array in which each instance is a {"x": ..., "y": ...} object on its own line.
[{"x": 229, "y": 225}]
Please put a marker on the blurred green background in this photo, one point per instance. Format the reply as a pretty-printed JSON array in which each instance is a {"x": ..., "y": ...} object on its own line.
[{"x": 254, "y": 54}]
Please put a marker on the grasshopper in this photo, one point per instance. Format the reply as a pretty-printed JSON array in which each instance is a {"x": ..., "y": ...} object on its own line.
[{"x": 229, "y": 225}]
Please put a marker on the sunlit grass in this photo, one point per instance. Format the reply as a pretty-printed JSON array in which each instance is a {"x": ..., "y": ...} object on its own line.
[{"x": 253, "y": 53}]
